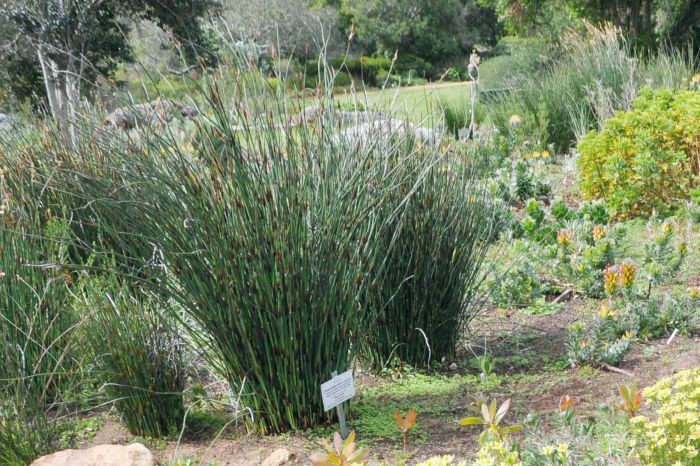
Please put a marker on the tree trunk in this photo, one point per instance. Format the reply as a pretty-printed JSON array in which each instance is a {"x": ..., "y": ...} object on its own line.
[
  {"x": 647, "y": 26},
  {"x": 50, "y": 84},
  {"x": 634, "y": 12},
  {"x": 57, "y": 93}
]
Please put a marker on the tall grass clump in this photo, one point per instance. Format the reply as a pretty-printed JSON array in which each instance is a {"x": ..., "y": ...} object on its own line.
[
  {"x": 38, "y": 361},
  {"x": 455, "y": 118},
  {"x": 426, "y": 294},
  {"x": 269, "y": 235},
  {"x": 595, "y": 74},
  {"x": 139, "y": 357}
]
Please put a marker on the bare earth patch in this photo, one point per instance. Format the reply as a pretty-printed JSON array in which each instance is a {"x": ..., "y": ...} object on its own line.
[{"x": 535, "y": 387}]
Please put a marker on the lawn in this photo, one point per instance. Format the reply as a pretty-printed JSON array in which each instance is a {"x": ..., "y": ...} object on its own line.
[{"x": 420, "y": 104}]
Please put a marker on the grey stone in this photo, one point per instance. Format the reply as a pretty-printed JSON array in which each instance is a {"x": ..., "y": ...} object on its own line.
[{"x": 157, "y": 111}]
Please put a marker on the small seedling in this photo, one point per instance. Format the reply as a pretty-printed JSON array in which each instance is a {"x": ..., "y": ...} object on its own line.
[
  {"x": 341, "y": 453},
  {"x": 487, "y": 365},
  {"x": 566, "y": 404},
  {"x": 631, "y": 399},
  {"x": 491, "y": 419},
  {"x": 405, "y": 424},
  {"x": 474, "y": 405}
]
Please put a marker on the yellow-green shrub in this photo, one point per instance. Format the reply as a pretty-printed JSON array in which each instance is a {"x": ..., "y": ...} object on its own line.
[
  {"x": 492, "y": 453},
  {"x": 446, "y": 460},
  {"x": 646, "y": 159},
  {"x": 673, "y": 436},
  {"x": 497, "y": 453}
]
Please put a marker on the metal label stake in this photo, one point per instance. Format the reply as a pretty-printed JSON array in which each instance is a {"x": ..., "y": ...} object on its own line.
[
  {"x": 341, "y": 415},
  {"x": 335, "y": 392}
]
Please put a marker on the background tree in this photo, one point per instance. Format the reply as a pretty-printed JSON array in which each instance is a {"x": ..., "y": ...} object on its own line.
[
  {"x": 635, "y": 17},
  {"x": 182, "y": 19},
  {"x": 434, "y": 31},
  {"x": 293, "y": 27},
  {"x": 648, "y": 23},
  {"x": 69, "y": 42},
  {"x": 532, "y": 17},
  {"x": 71, "y": 39},
  {"x": 679, "y": 22}
]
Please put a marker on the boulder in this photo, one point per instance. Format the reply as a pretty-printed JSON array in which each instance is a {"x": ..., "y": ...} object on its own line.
[
  {"x": 278, "y": 457},
  {"x": 386, "y": 128},
  {"x": 101, "y": 455},
  {"x": 309, "y": 115},
  {"x": 157, "y": 111},
  {"x": 313, "y": 114}
]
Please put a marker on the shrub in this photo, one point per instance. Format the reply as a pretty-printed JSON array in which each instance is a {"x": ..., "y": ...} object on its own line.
[
  {"x": 497, "y": 452},
  {"x": 595, "y": 212},
  {"x": 671, "y": 434},
  {"x": 384, "y": 79},
  {"x": 138, "y": 356},
  {"x": 515, "y": 56},
  {"x": 342, "y": 79},
  {"x": 518, "y": 180},
  {"x": 536, "y": 226},
  {"x": 172, "y": 87},
  {"x": 587, "y": 254},
  {"x": 647, "y": 159},
  {"x": 365, "y": 68},
  {"x": 452, "y": 74},
  {"x": 570, "y": 438},
  {"x": 601, "y": 342},
  {"x": 447, "y": 460},
  {"x": 407, "y": 64},
  {"x": 664, "y": 254},
  {"x": 627, "y": 315},
  {"x": 518, "y": 286}
]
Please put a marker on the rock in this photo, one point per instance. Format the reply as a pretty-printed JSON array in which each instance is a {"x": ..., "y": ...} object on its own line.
[
  {"x": 4, "y": 121},
  {"x": 309, "y": 115},
  {"x": 158, "y": 111},
  {"x": 386, "y": 128},
  {"x": 453, "y": 366},
  {"x": 277, "y": 458},
  {"x": 101, "y": 455}
]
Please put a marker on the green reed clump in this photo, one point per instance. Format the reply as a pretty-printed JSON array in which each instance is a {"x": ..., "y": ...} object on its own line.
[
  {"x": 25, "y": 432},
  {"x": 266, "y": 235},
  {"x": 455, "y": 118},
  {"x": 427, "y": 291},
  {"x": 139, "y": 357},
  {"x": 38, "y": 361}
]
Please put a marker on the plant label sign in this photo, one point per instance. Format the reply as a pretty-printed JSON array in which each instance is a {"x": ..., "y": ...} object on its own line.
[{"x": 338, "y": 390}]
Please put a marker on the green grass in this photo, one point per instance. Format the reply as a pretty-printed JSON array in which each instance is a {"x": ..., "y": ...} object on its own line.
[
  {"x": 420, "y": 104},
  {"x": 76, "y": 432},
  {"x": 372, "y": 414}
]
